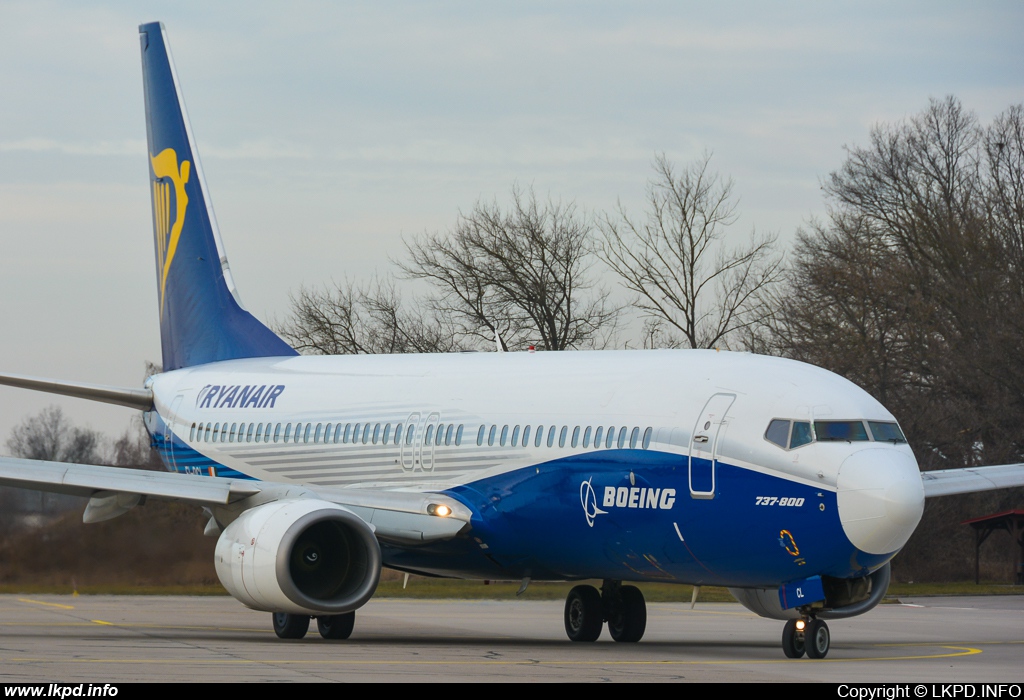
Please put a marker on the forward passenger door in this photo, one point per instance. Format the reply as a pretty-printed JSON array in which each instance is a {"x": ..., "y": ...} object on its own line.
[{"x": 704, "y": 445}]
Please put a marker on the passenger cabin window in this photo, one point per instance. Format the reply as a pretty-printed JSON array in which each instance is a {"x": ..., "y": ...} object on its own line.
[
  {"x": 647, "y": 438},
  {"x": 597, "y": 437},
  {"x": 480, "y": 436},
  {"x": 886, "y": 432},
  {"x": 526, "y": 436},
  {"x": 458, "y": 436},
  {"x": 634, "y": 437}
]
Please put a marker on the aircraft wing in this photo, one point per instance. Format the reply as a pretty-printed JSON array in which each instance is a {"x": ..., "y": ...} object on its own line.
[
  {"x": 397, "y": 516},
  {"x": 948, "y": 482},
  {"x": 87, "y": 479}
]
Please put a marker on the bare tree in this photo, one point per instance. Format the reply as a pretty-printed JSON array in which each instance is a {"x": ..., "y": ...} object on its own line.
[
  {"x": 523, "y": 274},
  {"x": 943, "y": 195},
  {"x": 692, "y": 288},
  {"x": 913, "y": 287},
  {"x": 351, "y": 320},
  {"x": 50, "y": 436}
]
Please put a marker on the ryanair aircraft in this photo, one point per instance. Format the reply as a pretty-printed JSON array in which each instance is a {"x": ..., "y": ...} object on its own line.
[{"x": 782, "y": 481}]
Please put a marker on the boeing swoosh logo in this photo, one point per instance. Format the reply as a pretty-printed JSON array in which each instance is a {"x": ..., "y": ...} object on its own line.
[{"x": 588, "y": 499}]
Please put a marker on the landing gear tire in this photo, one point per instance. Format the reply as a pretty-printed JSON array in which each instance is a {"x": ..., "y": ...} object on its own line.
[
  {"x": 336, "y": 626},
  {"x": 817, "y": 639},
  {"x": 627, "y": 619},
  {"x": 288, "y": 626},
  {"x": 584, "y": 616},
  {"x": 793, "y": 640}
]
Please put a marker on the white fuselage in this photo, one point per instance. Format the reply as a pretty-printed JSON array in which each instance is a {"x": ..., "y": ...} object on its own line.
[{"x": 295, "y": 420}]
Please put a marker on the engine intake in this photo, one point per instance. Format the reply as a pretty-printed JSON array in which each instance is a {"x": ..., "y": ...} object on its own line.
[{"x": 301, "y": 556}]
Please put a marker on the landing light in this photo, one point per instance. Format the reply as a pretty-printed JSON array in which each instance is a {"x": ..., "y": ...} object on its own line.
[
  {"x": 439, "y": 509},
  {"x": 800, "y": 624}
]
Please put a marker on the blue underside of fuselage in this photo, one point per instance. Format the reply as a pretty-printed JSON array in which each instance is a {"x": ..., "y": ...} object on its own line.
[{"x": 552, "y": 521}]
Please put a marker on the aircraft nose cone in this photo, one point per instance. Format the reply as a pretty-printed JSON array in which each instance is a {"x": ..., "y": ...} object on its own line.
[{"x": 880, "y": 498}]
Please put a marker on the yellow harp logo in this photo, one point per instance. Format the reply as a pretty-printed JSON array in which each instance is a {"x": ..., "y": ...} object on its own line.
[{"x": 165, "y": 167}]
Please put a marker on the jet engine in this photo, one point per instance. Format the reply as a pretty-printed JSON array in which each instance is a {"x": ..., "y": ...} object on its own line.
[
  {"x": 843, "y": 597},
  {"x": 299, "y": 556}
]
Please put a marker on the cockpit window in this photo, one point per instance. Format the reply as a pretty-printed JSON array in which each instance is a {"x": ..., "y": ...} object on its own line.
[
  {"x": 802, "y": 434},
  {"x": 778, "y": 433},
  {"x": 886, "y": 432},
  {"x": 836, "y": 430},
  {"x": 796, "y": 433}
]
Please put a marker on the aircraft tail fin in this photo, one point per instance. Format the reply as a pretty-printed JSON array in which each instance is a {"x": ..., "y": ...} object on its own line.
[{"x": 201, "y": 318}]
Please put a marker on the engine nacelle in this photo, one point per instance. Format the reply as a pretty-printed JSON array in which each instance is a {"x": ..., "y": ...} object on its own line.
[
  {"x": 843, "y": 597},
  {"x": 301, "y": 556}
]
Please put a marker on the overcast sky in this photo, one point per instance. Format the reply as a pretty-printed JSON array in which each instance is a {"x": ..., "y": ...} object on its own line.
[{"x": 328, "y": 131}]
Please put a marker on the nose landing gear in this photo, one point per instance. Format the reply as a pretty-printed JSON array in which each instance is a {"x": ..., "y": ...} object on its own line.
[
  {"x": 806, "y": 635},
  {"x": 622, "y": 607}
]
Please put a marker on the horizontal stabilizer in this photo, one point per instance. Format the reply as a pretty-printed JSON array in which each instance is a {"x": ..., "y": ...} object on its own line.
[
  {"x": 141, "y": 399},
  {"x": 949, "y": 482}
]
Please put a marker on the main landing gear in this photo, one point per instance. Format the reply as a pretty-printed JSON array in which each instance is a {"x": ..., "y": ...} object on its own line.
[
  {"x": 288, "y": 626},
  {"x": 622, "y": 607},
  {"x": 808, "y": 635}
]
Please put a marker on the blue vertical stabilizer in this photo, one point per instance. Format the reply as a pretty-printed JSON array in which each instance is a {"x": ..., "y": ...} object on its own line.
[{"x": 201, "y": 319}]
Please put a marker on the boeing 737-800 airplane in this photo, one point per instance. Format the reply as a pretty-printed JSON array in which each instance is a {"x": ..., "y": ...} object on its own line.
[{"x": 782, "y": 481}]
